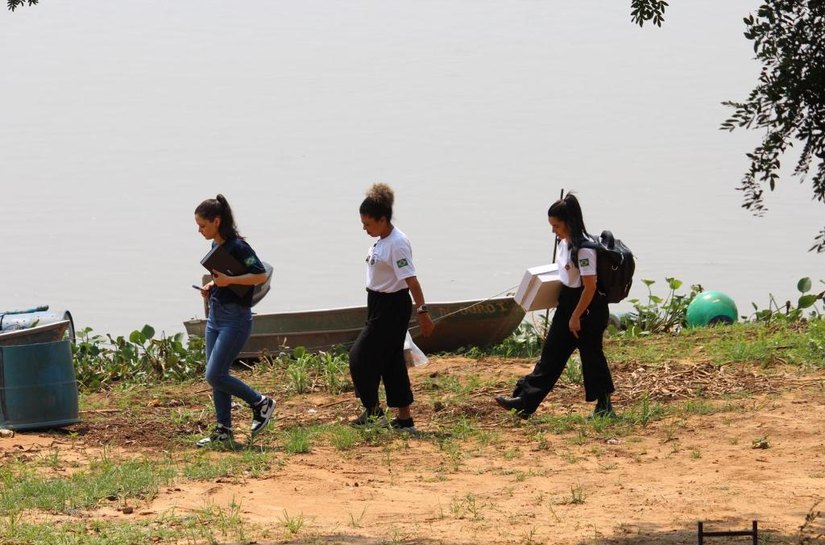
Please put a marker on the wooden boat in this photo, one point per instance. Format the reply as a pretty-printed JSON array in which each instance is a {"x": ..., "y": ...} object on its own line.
[
  {"x": 458, "y": 324},
  {"x": 46, "y": 333}
]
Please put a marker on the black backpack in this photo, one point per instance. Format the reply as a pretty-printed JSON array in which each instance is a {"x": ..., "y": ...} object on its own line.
[{"x": 615, "y": 265}]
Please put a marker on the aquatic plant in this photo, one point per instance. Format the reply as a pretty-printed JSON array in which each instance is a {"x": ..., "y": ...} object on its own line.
[
  {"x": 787, "y": 312},
  {"x": 659, "y": 314},
  {"x": 102, "y": 359}
]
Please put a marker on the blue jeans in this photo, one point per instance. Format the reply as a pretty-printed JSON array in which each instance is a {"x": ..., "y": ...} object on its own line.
[{"x": 227, "y": 329}]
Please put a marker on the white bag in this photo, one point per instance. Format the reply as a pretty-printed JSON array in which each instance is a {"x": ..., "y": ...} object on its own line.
[{"x": 413, "y": 355}]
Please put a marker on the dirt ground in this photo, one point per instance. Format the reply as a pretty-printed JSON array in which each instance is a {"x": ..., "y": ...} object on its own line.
[{"x": 762, "y": 458}]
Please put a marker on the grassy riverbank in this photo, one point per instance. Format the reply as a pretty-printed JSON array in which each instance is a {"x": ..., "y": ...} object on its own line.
[{"x": 721, "y": 425}]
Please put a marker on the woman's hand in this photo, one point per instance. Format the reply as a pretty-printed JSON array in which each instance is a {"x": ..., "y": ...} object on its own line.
[
  {"x": 425, "y": 323},
  {"x": 575, "y": 325},
  {"x": 206, "y": 289},
  {"x": 219, "y": 279}
]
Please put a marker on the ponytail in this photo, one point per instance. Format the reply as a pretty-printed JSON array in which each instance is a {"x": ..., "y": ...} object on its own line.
[{"x": 569, "y": 211}]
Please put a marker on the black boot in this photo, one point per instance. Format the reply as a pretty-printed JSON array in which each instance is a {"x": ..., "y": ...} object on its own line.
[
  {"x": 513, "y": 404},
  {"x": 603, "y": 407}
]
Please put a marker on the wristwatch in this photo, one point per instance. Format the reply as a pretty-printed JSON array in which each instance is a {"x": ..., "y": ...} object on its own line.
[{"x": 423, "y": 309}]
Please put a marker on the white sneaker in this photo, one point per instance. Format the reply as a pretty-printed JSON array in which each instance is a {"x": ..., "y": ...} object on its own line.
[
  {"x": 261, "y": 414},
  {"x": 220, "y": 435}
]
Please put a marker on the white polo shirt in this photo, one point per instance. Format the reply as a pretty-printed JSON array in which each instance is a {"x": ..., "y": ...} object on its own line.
[
  {"x": 389, "y": 263},
  {"x": 569, "y": 275}
]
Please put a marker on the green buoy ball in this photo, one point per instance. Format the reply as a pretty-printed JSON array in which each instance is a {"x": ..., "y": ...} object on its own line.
[{"x": 711, "y": 307}]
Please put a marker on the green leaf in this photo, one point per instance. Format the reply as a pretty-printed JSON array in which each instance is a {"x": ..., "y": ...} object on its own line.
[
  {"x": 804, "y": 285},
  {"x": 136, "y": 337},
  {"x": 807, "y": 301},
  {"x": 148, "y": 331},
  {"x": 648, "y": 282},
  {"x": 674, "y": 284}
]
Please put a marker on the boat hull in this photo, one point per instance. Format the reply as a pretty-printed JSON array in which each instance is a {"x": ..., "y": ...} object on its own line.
[{"x": 458, "y": 324}]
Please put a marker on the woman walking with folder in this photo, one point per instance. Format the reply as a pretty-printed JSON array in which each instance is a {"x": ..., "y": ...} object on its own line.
[
  {"x": 378, "y": 353},
  {"x": 229, "y": 323},
  {"x": 579, "y": 322}
]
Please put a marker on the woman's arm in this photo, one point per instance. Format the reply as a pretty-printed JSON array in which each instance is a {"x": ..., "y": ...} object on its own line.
[
  {"x": 589, "y": 284},
  {"x": 248, "y": 279},
  {"x": 424, "y": 320}
]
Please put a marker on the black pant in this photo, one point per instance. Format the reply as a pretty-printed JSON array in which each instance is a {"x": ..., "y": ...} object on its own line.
[
  {"x": 560, "y": 344},
  {"x": 378, "y": 352}
]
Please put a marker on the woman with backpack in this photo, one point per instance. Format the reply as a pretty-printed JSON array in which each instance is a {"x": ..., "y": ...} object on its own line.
[
  {"x": 229, "y": 323},
  {"x": 579, "y": 321}
]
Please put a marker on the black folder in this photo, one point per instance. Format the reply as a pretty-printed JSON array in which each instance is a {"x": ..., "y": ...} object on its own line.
[{"x": 218, "y": 259}]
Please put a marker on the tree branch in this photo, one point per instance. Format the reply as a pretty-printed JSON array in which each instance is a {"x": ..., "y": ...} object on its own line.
[{"x": 14, "y": 4}]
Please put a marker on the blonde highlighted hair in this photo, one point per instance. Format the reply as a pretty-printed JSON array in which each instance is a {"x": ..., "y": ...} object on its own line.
[{"x": 379, "y": 201}]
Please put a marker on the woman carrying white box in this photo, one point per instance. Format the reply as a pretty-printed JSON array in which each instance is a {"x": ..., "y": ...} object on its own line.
[{"x": 579, "y": 322}]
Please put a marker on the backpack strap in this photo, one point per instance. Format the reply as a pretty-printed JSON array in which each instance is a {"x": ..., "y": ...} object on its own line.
[
  {"x": 608, "y": 240},
  {"x": 588, "y": 241}
]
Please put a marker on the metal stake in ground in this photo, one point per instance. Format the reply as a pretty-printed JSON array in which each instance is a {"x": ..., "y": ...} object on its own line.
[{"x": 753, "y": 533}]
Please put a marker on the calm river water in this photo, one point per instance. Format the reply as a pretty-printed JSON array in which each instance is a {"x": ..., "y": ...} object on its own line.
[{"x": 117, "y": 118}]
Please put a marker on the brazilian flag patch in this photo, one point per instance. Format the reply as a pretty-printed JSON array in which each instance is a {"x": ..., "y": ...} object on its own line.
[
  {"x": 584, "y": 262},
  {"x": 249, "y": 261},
  {"x": 401, "y": 263}
]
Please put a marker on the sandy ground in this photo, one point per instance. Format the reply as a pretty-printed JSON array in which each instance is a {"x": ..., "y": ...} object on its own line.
[{"x": 526, "y": 486}]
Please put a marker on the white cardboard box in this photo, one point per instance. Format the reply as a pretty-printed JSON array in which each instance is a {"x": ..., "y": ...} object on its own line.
[{"x": 540, "y": 288}]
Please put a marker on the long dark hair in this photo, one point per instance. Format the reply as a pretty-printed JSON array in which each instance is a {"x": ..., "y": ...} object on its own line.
[
  {"x": 378, "y": 203},
  {"x": 219, "y": 208},
  {"x": 569, "y": 211}
]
